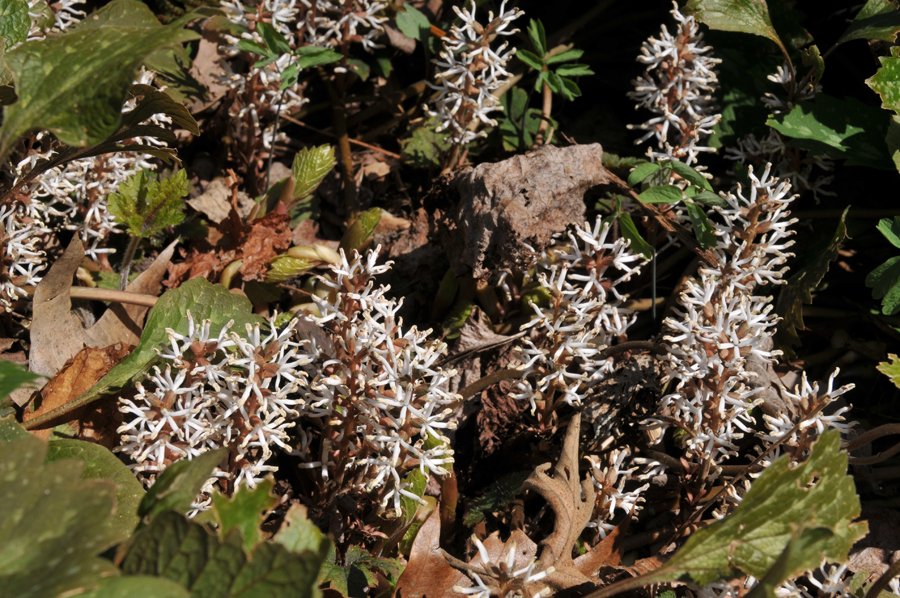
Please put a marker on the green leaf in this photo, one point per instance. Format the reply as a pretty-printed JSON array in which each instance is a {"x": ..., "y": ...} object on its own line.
[
  {"x": 784, "y": 502},
  {"x": 538, "y": 36},
  {"x": 689, "y": 174},
  {"x": 130, "y": 586},
  {"x": 800, "y": 286},
  {"x": 244, "y": 511},
  {"x": 519, "y": 123},
  {"x": 12, "y": 377},
  {"x": 359, "y": 233},
  {"x": 298, "y": 534},
  {"x": 310, "y": 56},
  {"x": 891, "y": 369},
  {"x": 642, "y": 172},
  {"x": 147, "y": 205},
  {"x": 180, "y": 484},
  {"x": 424, "y": 146},
  {"x": 886, "y": 81},
  {"x": 570, "y": 89},
  {"x": 101, "y": 464},
  {"x": 286, "y": 267},
  {"x": 661, "y": 194},
  {"x": 14, "y": 22},
  {"x": 885, "y": 284},
  {"x": 75, "y": 83},
  {"x": 630, "y": 232},
  {"x": 311, "y": 166},
  {"x": 844, "y": 128},
  {"x": 566, "y": 56},
  {"x": 877, "y": 19},
  {"x": 891, "y": 230},
  {"x": 531, "y": 59},
  {"x": 574, "y": 70},
  {"x": 413, "y": 23},
  {"x": 274, "y": 40},
  {"x": 153, "y": 102},
  {"x": 53, "y": 523},
  {"x": 358, "y": 572},
  {"x": 743, "y": 16},
  {"x": 185, "y": 552},
  {"x": 204, "y": 300},
  {"x": 703, "y": 228}
]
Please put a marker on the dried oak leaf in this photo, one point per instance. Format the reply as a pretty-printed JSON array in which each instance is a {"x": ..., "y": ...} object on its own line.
[
  {"x": 76, "y": 377},
  {"x": 268, "y": 236}
]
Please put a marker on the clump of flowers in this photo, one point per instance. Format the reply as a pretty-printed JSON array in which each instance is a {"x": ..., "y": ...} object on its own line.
[
  {"x": 333, "y": 23},
  {"x": 504, "y": 578},
  {"x": 678, "y": 87},
  {"x": 377, "y": 400},
  {"x": 470, "y": 70},
  {"x": 23, "y": 259},
  {"x": 213, "y": 390},
  {"x": 563, "y": 358},
  {"x": 720, "y": 341}
]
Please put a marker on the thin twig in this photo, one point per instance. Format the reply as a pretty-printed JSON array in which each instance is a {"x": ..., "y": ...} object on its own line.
[
  {"x": 873, "y": 435},
  {"x": 113, "y": 296}
]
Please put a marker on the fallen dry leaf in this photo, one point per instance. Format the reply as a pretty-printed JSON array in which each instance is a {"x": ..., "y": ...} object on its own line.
[
  {"x": 268, "y": 236},
  {"x": 77, "y": 376},
  {"x": 428, "y": 573}
]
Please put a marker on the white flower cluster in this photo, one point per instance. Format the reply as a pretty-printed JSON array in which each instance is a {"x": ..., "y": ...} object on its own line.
[
  {"x": 23, "y": 236},
  {"x": 720, "y": 333},
  {"x": 503, "y": 579},
  {"x": 47, "y": 18},
  {"x": 331, "y": 23},
  {"x": 470, "y": 71},
  {"x": 616, "y": 489},
  {"x": 806, "y": 171},
  {"x": 562, "y": 358},
  {"x": 382, "y": 400},
  {"x": 832, "y": 580},
  {"x": 678, "y": 86},
  {"x": 213, "y": 390}
]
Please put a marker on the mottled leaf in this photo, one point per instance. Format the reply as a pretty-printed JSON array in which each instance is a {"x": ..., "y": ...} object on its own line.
[
  {"x": 886, "y": 80},
  {"x": 298, "y": 534},
  {"x": 891, "y": 369},
  {"x": 186, "y": 552},
  {"x": 244, "y": 511},
  {"x": 53, "y": 523},
  {"x": 132, "y": 586},
  {"x": 101, "y": 464},
  {"x": 359, "y": 571}
]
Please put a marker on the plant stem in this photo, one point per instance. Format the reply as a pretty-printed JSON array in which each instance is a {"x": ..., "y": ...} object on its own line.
[
  {"x": 339, "y": 116},
  {"x": 127, "y": 259},
  {"x": 546, "y": 108},
  {"x": 112, "y": 295}
]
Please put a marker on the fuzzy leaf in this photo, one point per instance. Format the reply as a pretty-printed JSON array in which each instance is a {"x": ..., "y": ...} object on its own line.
[
  {"x": 244, "y": 511},
  {"x": 12, "y": 377},
  {"x": 844, "y": 128},
  {"x": 891, "y": 369},
  {"x": 800, "y": 286},
  {"x": 14, "y": 22},
  {"x": 178, "y": 549},
  {"x": 53, "y": 523},
  {"x": 286, "y": 267},
  {"x": 180, "y": 484},
  {"x": 424, "y": 146},
  {"x": 311, "y": 166},
  {"x": 147, "y": 205},
  {"x": 359, "y": 233},
  {"x": 413, "y": 23},
  {"x": 877, "y": 19},
  {"x": 199, "y": 296},
  {"x": 886, "y": 81},
  {"x": 885, "y": 284},
  {"x": 101, "y": 464},
  {"x": 793, "y": 561},
  {"x": 781, "y": 504},
  {"x": 744, "y": 16},
  {"x": 75, "y": 83}
]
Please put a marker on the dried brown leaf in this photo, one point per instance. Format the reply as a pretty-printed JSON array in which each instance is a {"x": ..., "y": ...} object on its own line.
[
  {"x": 428, "y": 573},
  {"x": 268, "y": 236}
]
